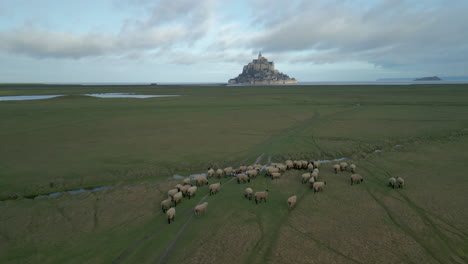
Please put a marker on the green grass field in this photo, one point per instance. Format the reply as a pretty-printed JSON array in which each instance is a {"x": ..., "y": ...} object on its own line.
[{"x": 136, "y": 145}]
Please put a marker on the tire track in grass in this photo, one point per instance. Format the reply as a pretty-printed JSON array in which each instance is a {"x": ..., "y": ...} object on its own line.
[
  {"x": 406, "y": 230},
  {"x": 168, "y": 250},
  {"x": 322, "y": 244},
  {"x": 170, "y": 247},
  {"x": 428, "y": 222},
  {"x": 265, "y": 245}
]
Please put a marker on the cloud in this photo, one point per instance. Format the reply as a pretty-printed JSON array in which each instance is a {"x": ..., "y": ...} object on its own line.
[
  {"x": 169, "y": 23},
  {"x": 389, "y": 33}
]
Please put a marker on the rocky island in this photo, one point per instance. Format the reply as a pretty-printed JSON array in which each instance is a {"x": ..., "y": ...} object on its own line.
[
  {"x": 433, "y": 78},
  {"x": 261, "y": 71}
]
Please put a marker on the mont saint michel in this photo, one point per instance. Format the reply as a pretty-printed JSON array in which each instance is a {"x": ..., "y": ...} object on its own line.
[{"x": 262, "y": 71}]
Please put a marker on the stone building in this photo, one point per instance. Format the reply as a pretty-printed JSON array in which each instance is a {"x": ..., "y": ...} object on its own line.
[{"x": 261, "y": 71}]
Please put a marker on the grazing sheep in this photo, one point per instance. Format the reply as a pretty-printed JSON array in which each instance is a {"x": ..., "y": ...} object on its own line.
[
  {"x": 250, "y": 167},
  {"x": 311, "y": 182},
  {"x": 200, "y": 208},
  {"x": 170, "y": 215},
  {"x": 318, "y": 186},
  {"x": 243, "y": 168},
  {"x": 187, "y": 181},
  {"x": 200, "y": 180},
  {"x": 228, "y": 171},
  {"x": 242, "y": 178},
  {"x": 219, "y": 173},
  {"x": 210, "y": 172},
  {"x": 166, "y": 204},
  {"x": 314, "y": 175},
  {"x": 336, "y": 167},
  {"x": 282, "y": 167},
  {"x": 289, "y": 164},
  {"x": 184, "y": 189},
  {"x": 171, "y": 193},
  {"x": 275, "y": 175},
  {"x": 400, "y": 182},
  {"x": 392, "y": 182},
  {"x": 177, "y": 198},
  {"x": 353, "y": 168},
  {"x": 214, "y": 188},
  {"x": 252, "y": 173},
  {"x": 310, "y": 167},
  {"x": 316, "y": 163},
  {"x": 178, "y": 186},
  {"x": 304, "y": 164},
  {"x": 343, "y": 166},
  {"x": 258, "y": 166},
  {"x": 305, "y": 177},
  {"x": 271, "y": 170},
  {"x": 316, "y": 170},
  {"x": 292, "y": 201},
  {"x": 259, "y": 196},
  {"x": 356, "y": 178},
  {"x": 191, "y": 191},
  {"x": 248, "y": 193}
]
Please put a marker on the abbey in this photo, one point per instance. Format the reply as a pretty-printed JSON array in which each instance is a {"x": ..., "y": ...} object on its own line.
[{"x": 261, "y": 71}]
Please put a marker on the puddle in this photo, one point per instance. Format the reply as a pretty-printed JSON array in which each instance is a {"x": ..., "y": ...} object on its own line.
[
  {"x": 77, "y": 191},
  {"x": 127, "y": 95},
  {"x": 101, "y": 95},
  {"x": 334, "y": 160},
  {"x": 378, "y": 150},
  {"x": 27, "y": 97}
]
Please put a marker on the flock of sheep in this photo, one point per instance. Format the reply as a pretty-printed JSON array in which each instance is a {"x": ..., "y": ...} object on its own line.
[{"x": 244, "y": 174}]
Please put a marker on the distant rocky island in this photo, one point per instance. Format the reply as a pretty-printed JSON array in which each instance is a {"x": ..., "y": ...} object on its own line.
[
  {"x": 433, "y": 78},
  {"x": 261, "y": 71}
]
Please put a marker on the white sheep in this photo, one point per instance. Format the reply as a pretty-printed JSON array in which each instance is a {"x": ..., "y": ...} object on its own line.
[
  {"x": 191, "y": 191},
  {"x": 200, "y": 208},
  {"x": 310, "y": 167},
  {"x": 200, "y": 180},
  {"x": 187, "y": 181},
  {"x": 356, "y": 178},
  {"x": 316, "y": 163},
  {"x": 304, "y": 164},
  {"x": 400, "y": 182},
  {"x": 228, "y": 171},
  {"x": 166, "y": 204},
  {"x": 171, "y": 215},
  {"x": 289, "y": 164},
  {"x": 210, "y": 173},
  {"x": 311, "y": 182},
  {"x": 248, "y": 193},
  {"x": 178, "y": 186},
  {"x": 282, "y": 167},
  {"x": 219, "y": 173},
  {"x": 252, "y": 173},
  {"x": 314, "y": 175},
  {"x": 171, "y": 193},
  {"x": 343, "y": 166},
  {"x": 242, "y": 178},
  {"x": 353, "y": 168},
  {"x": 336, "y": 168},
  {"x": 184, "y": 189},
  {"x": 270, "y": 170},
  {"x": 392, "y": 182},
  {"x": 259, "y": 196},
  {"x": 258, "y": 166},
  {"x": 275, "y": 175},
  {"x": 214, "y": 188},
  {"x": 292, "y": 201},
  {"x": 319, "y": 186},
  {"x": 177, "y": 198},
  {"x": 305, "y": 177}
]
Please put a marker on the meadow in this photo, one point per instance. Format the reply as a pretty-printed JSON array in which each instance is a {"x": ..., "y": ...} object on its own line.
[{"x": 135, "y": 146}]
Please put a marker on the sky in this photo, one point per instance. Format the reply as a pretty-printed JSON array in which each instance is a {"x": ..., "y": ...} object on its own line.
[{"x": 210, "y": 40}]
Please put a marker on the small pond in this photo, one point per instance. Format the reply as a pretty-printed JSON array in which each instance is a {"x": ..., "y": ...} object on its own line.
[{"x": 27, "y": 97}]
